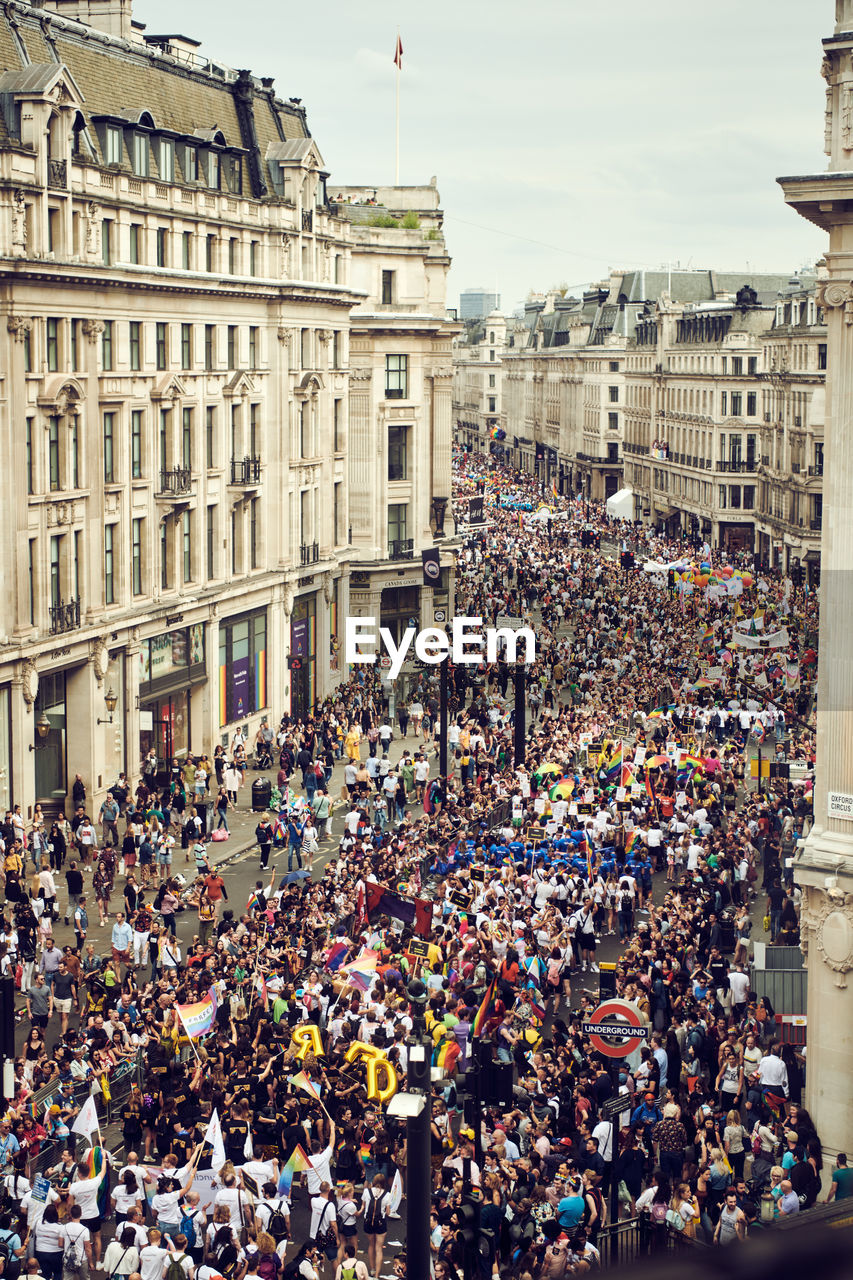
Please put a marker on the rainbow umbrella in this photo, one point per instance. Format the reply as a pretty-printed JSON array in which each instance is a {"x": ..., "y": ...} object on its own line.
[
  {"x": 655, "y": 762},
  {"x": 562, "y": 790},
  {"x": 550, "y": 767}
]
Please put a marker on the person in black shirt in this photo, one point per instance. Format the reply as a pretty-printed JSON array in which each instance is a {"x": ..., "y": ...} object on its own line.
[{"x": 74, "y": 882}]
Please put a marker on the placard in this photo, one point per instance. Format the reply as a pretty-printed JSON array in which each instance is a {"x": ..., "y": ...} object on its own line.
[
  {"x": 639, "y": 755},
  {"x": 621, "y": 793},
  {"x": 459, "y": 900},
  {"x": 418, "y": 948},
  {"x": 839, "y": 804},
  {"x": 536, "y": 833},
  {"x": 637, "y": 789},
  {"x": 478, "y": 874}
]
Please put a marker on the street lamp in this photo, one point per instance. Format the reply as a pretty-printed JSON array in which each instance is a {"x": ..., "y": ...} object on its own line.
[
  {"x": 110, "y": 702},
  {"x": 42, "y": 729},
  {"x": 418, "y": 1134}
]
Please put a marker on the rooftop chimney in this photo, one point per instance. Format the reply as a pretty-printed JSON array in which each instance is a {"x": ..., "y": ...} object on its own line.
[{"x": 112, "y": 16}]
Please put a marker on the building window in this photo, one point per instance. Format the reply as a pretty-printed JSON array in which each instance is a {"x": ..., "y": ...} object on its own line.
[
  {"x": 107, "y": 241},
  {"x": 491, "y": 379},
  {"x": 491, "y": 353},
  {"x": 253, "y": 347},
  {"x": 723, "y": 495},
  {"x": 336, "y": 425},
  {"x": 107, "y": 346},
  {"x": 737, "y": 366},
  {"x": 162, "y": 245},
  {"x": 253, "y": 430},
  {"x": 187, "y": 439},
  {"x": 109, "y": 579},
  {"x": 387, "y": 288},
  {"x": 73, "y": 328},
  {"x": 186, "y": 346},
  {"x": 821, "y": 355},
  {"x": 52, "y": 328},
  {"x": 209, "y": 253},
  {"x": 187, "y": 545},
  {"x": 398, "y": 519},
  {"x": 397, "y": 452},
  {"x": 209, "y": 346},
  {"x": 253, "y": 257},
  {"x": 136, "y": 557},
  {"x": 29, "y": 455},
  {"x": 243, "y": 663},
  {"x": 305, "y": 349},
  {"x": 613, "y": 421},
  {"x": 337, "y": 513},
  {"x": 210, "y": 436},
  {"x": 164, "y": 439},
  {"x": 53, "y": 453},
  {"x": 164, "y": 557},
  {"x": 231, "y": 346},
  {"x": 161, "y": 345},
  {"x": 752, "y": 365},
  {"x": 75, "y": 453},
  {"x": 32, "y": 579},
  {"x": 55, "y": 575},
  {"x": 28, "y": 351},
  {"x": 109, "y": 448},
  {"x": 396, "y": 377},
  {"x": 734, "y": 496},
  {"x": 141, "y": 155},
  {"x": 136, "y": 444},
  {"x": 186, "y": 249},
  {"x": 135, "y": 344},
  {"x": 614, "y": 366},
  {"x": 751, "y": 404},
  {"x": 191, "y": 164},
  {"x": 613, "y": 394},
  {"x": 749, "y": 497},
  {"x": 232, "y": 256},
  {"x": 135, "y": 242},
  {"x": 112, "y": 145},
  {"x": 737, "y": 404},
  {"x": 211, "y": 543},
  {"x": 253, "y": 533},
  {"x": 167, "y": 160},
  {"x": 724, "y": 402},
  {"x": 336, "y": 349}
]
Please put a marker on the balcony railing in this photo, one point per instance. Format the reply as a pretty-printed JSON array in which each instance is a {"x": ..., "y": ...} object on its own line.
[
  {"x": 816, "y": 470},
  {"x": 309, "y": 553},
  {"x": 401, "y": 549},
  {"x": 64, "y": 616},
  {"x": 307, "y": 219},
  {"x": 176, "y": 482},
  {"x": 57, "y": 174},
  {"x": 245, "y": 471},
  {"x": 737, "y": 466}
]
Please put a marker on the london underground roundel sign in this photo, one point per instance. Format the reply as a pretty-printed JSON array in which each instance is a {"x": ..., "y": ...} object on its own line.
[{"x": 615, "y": 1028}]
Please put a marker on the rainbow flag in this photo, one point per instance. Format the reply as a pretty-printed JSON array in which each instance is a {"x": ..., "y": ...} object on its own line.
[
  {"x": 297, "y": 1163},
  {"x": 96, "y": 1163},
  {"x": 628, "y": 776},
  {"x": 554, "y": 489},
  {"x": 613, "y": 769},
  {"x": 198, "y": 1018},
  {"x": 335, "y": 957},
  {"x": 481, "y": 1014},
  {"x": 650, "y": 790},
  {"x": 303, "y": 1081},
  {"x": 365, "y": 962},
  {"x": 537, "y": 1011},
  {"x": 707, "y": 634},
  {"x": 660, "y": 712},
  {"x": 633, "y": 843}
]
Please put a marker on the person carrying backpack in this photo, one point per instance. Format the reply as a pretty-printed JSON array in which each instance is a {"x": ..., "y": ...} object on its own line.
[
  {"x": 180, "y": 1265},
  {"x": 375, "y": 1207},
  {"x": 77, "y": 1249},
  {"x": 350, "y": 1267}
]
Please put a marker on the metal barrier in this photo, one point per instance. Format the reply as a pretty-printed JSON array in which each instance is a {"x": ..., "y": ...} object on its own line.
[
  {"x": 123, "y": 1075},
  {"x": 621, "y": 1243}
]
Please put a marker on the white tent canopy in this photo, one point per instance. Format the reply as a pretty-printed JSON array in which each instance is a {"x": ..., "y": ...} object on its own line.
[{"x": 621, "y": 505}]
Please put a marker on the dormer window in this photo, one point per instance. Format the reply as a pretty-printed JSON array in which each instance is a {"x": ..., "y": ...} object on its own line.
[
  {"x": 191, "y": 164},
  {"x": 112, "y": 145},
  {"x": 141, "y": 155},
  {"x": 166, "y": 160}
]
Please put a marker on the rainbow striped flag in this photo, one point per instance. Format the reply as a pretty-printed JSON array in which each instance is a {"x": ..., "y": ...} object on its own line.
[
  {"x": 633, "y": 843},
  {"x": 537, "y": 1011},
  {"x": 613, "y": 768},
  {"x": 97, "y": 1164},
  {"x": 303, "y": 1081},
  {"x": 198, "y": 1018},
  {"x": 482, "y": 1013},
  {"x": 297, "y": 1163},
  {"x": 554, "y": 489}
]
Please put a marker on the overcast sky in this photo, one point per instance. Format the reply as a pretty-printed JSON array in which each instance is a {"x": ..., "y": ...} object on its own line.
[{"x": 567, "y": 136}]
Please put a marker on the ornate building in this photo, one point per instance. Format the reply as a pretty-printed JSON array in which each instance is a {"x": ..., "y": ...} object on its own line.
[
  {"x": 824, "y": 865},
  {"x": 174, "y": 399}
]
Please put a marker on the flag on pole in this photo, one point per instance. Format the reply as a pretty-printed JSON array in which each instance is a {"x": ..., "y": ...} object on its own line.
[
  {"x": 198, "y": 1018},
  {"x": 99, "y": 1167},
  {"x": 87, "y": 1121},
  {"x": 398, "y": 54},
  {"x": 297, "y": 1163},
  {"x": 396, "y": 1193},
  {"x": 303, "y": 1081},
  {"x": 213, "y": 1135},
  {"x": 481, "y": 1014}
]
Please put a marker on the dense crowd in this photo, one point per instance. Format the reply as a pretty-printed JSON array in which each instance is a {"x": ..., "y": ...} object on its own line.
[{"x": 631, "y": 817}]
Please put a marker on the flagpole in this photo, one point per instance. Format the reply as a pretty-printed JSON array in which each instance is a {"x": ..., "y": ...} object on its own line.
[{"x": 397, "y": 62}]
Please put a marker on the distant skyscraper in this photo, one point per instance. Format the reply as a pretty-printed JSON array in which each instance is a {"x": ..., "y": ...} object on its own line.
[{"x": 476, "y": 303}]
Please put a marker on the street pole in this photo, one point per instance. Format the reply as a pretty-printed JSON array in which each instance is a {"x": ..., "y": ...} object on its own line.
[
  {"x": 442, "y": 742},
  {"x": 418, "y": 1140},
  {"x": 520, "y": 714},
  {"x": 7, "y": 1035}
]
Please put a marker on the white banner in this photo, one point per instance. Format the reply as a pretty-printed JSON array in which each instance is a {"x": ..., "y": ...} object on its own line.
[{"x": 776, "y": 640}]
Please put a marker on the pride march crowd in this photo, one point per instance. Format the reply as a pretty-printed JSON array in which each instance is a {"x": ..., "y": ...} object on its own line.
[{"x": 249, "y": 1146}]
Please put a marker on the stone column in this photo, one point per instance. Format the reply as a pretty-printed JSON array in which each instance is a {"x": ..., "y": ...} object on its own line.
[{"x": 824, "y": 865}]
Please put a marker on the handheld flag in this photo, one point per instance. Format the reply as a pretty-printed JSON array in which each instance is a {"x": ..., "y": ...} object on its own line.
[
  {"x": 213, "y": 1135},
  {"x": 298, "y": 1162},
  {"x": 304, "y": 1082},
  {"x": 482, "y": 1013},
  {"x": 87, "y": 1121},
  {"x": 198, "y": 1018}
]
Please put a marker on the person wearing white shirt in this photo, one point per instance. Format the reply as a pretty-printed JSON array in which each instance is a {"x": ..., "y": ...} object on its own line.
[
  {"x": 122, "y": 1256},
  {"x": 321, "y": 1158},
  {"x": 153, "y": 1258},
  {"x": 324, "y": 1215}
]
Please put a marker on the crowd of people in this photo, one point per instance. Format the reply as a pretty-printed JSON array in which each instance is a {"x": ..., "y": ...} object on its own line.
[{"x": 631, "y": 817}]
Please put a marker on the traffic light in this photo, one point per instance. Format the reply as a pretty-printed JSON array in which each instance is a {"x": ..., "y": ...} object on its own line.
[
  {"x": 466, "y": 1219},
  {"x": 294, "y": 662}
]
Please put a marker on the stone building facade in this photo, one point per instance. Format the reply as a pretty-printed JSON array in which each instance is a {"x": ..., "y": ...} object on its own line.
[{"x": 174, "y": 400}]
